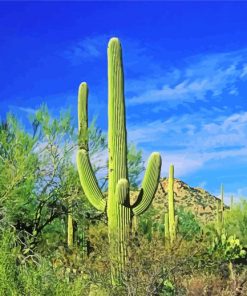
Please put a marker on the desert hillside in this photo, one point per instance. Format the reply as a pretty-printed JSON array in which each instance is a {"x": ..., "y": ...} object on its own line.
[{"x": 198, "y": 200}]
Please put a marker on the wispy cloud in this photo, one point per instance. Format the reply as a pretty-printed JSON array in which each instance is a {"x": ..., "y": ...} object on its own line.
[
  {"x": 204, "y": 77},
  {"x": 27, "y": 110},
  {"x": 91, "y": 47},
  {"x": 190, "y": 141}
]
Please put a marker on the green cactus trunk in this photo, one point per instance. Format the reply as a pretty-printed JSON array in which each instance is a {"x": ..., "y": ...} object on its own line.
[
  {"x": 70, "y": 228},
  {"x": 218, "y": 216},
  {"x": 167, "y": 232},
  {"x": 176, "y": 224},
  {"x": 232, "y": 202},
  {"x": 171, "y": 210},
  {"x": 70, "y": 231},
  {"x": 134, "y": 225},
  {"x": 119, "y": 210}
]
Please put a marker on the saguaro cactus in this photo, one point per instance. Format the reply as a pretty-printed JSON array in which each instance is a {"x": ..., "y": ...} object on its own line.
[
  {"x": 70, "y": 226},
  {"x": 117, "y": 206},
  {"x": 171, "y": 211},
  {"x": 218, "y": 217},
  {"x": 232, "y": 202},
  {"x": 166, "y": 228},
  {"x": 70, "y": 230}
]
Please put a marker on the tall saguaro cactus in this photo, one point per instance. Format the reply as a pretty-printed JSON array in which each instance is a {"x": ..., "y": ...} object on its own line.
[{"x": 117, "y": 206}]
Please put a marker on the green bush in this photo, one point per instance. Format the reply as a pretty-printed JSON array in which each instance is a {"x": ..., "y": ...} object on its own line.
[
  {"x": 236, "y": 221},
  {"x": 188, "y": 225}
]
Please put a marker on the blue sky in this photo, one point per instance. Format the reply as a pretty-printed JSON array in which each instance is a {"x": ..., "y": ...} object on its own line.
[{"x": 185, "y": 69}]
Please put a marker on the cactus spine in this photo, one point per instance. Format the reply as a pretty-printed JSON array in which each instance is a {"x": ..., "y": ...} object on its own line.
[
  {"x": 171, "y": 210},
  {"x": 118, "y": 208}
]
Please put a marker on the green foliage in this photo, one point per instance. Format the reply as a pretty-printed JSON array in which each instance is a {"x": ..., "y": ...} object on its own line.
[
  {"x": 227, "y": 247},
  {"x": 8, "y": 274},
  {"x": 32, "y": 275},
  {"x": 236, "y": 221},
  {"x": 39, "y": 184},
  {"x": 168, "y": 288},
  {"x": 135, "y": 166},
  {"x": 18, "y": 173},
  {"x": 188, "y": 225}
]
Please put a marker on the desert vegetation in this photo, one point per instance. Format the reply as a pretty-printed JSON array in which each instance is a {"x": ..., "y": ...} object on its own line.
[{"x": 87, "y": 229}]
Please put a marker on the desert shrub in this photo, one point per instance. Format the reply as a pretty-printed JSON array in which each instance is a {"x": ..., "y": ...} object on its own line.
[
  {"x": 188, "y": 225},
  {"x": 236, "y": 221},
  {"x": 8, "y": 273},
  {"x": 31, "y": 274}
]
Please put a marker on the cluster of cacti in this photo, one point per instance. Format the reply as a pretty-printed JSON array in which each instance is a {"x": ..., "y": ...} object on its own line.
[{"x": 117, "y": 206}]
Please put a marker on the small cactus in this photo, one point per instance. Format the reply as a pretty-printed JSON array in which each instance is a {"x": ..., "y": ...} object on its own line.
[
  {"x": 70, "y": 231},
  {"x": 166, "y": 224},
  {"x": 70, "y": 228},
  {"x": 232, "y": 202},
  {"x": 171, "y": 210}
]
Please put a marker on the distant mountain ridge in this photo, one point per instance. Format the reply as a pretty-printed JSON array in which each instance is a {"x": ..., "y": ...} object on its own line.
[{"x": 199, "y": 201}]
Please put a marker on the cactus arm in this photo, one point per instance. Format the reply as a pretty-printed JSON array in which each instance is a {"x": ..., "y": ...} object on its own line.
[
  {"x": 122, "y": 192},
  {"x": 86, "y": 173},
  {"x": 149, "y": 184},
  {"x": 89, "y": 182},
  {"x": 82, "y": 116}
]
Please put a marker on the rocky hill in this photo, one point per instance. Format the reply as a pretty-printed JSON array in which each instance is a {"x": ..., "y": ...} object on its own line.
[{"x": 198, "y": 200}]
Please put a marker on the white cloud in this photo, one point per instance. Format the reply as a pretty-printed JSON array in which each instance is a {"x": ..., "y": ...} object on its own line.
[
  {"x": 237, "y": 195},
  {"x": 27, "y": 110},
  {"x": 91, "y": 47},
  {"x": 192, "y": 140},
  {"x": 213, "y": 74}
]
